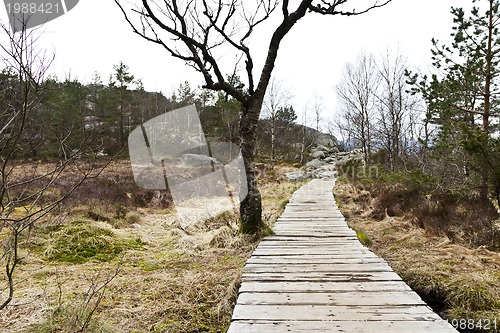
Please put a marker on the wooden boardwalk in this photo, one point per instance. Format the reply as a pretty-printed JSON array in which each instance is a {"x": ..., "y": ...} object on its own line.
[{"x": 314, "y": 275}]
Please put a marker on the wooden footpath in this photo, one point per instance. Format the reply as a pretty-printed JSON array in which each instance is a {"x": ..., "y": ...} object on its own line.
[{"x": 314, "y": 275}]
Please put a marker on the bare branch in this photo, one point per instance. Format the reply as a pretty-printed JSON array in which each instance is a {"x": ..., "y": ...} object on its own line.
[{"x": 330, "y": 8}]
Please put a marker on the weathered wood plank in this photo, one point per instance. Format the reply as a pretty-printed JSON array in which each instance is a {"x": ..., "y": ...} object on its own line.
[
  {"x": 332, "y": 312},
  {"x": 316, "y": 268},
  {"x": 332, "y": 298},
  {"x": 273, "y": 260},
  {"x": 326, "y": 245},
  {"x": 329, "y": 243},
  {"x": 315, "y": 250},
  {"x": 314, "y": 233},
  {"x": 416, "y": 326},
  {"x": 333, "y": 242},
  {"x": 306, "y": 238},
  {"x": 322, "y": 276},
  {"x": 327, "y": 287}
]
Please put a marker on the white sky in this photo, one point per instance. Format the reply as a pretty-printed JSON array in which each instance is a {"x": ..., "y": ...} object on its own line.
[{"x": 94, "y": 36}]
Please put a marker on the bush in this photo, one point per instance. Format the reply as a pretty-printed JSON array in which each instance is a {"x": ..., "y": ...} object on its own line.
[
  {"x": 463, "y": 219},
  {"x": 414, "y": 179}
]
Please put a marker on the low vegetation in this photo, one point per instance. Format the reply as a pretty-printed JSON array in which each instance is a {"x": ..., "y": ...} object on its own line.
[
  {"x": 114, "y": 259},
  {"x": 444, "y": 245}
]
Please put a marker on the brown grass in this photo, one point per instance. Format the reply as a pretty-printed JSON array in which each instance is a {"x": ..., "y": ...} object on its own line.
[
  {"x": 175, "y": 281},
  {"x": 465, "y": 279}
]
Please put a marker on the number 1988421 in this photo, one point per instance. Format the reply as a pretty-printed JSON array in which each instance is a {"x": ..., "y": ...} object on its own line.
[{"x": 33, "y": 8}]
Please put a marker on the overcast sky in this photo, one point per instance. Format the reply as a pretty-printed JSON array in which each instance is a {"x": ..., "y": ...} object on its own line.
[{"x": 94, "y": 36}]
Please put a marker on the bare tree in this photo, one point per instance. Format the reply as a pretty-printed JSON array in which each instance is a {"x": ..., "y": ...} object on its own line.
[
  {"x": 318, "y": 110},
  {"x": 303, "y": 146},
  {"x": 201, "y": 32},
  {"x": 27, "y": 188},
  {"x": 357, "y": 94},
  {"x": 277, "y": 96},
  {"x": 396, "y": 106}
]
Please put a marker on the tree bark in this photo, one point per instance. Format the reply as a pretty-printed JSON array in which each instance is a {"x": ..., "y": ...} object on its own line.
[
  {"x": 484, "y": 188},
  {"x": 251, "y": 205}
]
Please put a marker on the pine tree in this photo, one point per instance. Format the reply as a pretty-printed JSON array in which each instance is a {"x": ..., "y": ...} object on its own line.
[{"x": 463, "y": 96}]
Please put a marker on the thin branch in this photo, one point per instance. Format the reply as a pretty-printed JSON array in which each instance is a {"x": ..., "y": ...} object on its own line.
[{"x": 330, "y": 8}]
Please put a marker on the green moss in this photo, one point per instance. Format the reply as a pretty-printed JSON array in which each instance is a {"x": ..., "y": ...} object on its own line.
[
  {"x": 267, "y": 232},
  {"x": 82, "y": 241},
  {"x": 284, "y": 203}
]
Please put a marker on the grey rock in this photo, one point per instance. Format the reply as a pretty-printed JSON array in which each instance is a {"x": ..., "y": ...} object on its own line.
[
  {"x": 326, "y": 140},
  {"x": 298, "y": 175},
  {"x": 315, "y": 164},
  {"x": 199, "y": 160},
  {"x": 333, "y": 150},
  {"x": 319, "y": 154},
  {"x": 321, "y": 148},
  {"x": 342, "y": 161},
  {"x": 151, "y": 178}
]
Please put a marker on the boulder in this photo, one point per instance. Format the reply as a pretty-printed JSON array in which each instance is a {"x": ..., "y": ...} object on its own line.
[
  {"x": 151, "y": 178},
  {"x": 321, "y": 148},
  {"x": 333, "y": 150},
  {"x": 324, "y": 139},
  {"x": 342, "y": 161},
  {"x": 326, "y": 172},
  {"x": 318, "y": 154},
  {"x": 315, "y": 164},
  {"x": 297, "y": 175}
]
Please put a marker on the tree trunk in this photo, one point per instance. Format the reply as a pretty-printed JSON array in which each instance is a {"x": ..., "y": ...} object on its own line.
[
  {"x": 273, "y": 138},
  {"x": 484, "y": 188},
  {"x": 121, "y": 135},
  {"x": 251, "y": 205}
]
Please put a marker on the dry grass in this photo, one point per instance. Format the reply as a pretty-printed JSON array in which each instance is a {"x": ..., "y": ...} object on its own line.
[
  {"x": 170, "y": 279},
  {"x": 465, "y": 280}
]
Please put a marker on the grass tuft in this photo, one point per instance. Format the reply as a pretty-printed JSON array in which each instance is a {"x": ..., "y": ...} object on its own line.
[
  {"x": 81, "y": 241},
  {"x": 363, "y": 238}
]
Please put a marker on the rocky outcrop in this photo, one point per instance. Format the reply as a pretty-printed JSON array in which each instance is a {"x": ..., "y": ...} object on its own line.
[
  {"x": 326, "y": 160},
  {"x": 324, "y": 139}
]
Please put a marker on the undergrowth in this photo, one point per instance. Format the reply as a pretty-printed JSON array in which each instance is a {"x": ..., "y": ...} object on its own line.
[
  {"x": 443, "y": 244},
  {"x": 81, "y": 241}
]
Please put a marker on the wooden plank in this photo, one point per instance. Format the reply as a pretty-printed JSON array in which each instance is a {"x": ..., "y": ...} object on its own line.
[
  {"x": 332, "y": 298},
  {"x": 322, "y": 276},
  {"x": 327, "y": 225},
  {"x": 306, "y": 238},
  {"x": 332, "y": 312},
  {"x": 357, "y": 326},
  {"x": 327, "y": 287},
  {"x": 338, "y": 242},
  {"x": 311, "y": 251},
  {"x": 326, "y": 242},
  {"x": 317, "y": 268},
  {"x": 297, "y": 261},
  {"x": 334, "y": 245},
  {"x": 315, "y": 233}
]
